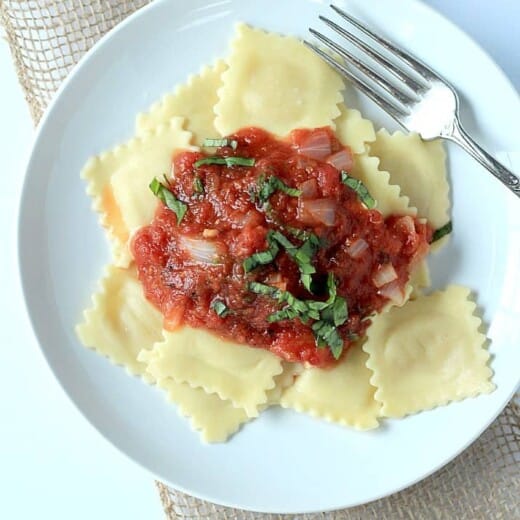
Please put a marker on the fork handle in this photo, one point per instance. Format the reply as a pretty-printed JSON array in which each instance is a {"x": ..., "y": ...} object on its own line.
[{"x": 503, "y": 174}]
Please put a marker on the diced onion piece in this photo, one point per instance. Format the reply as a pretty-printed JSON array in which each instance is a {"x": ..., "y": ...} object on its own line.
[
  {"x": 384, "y": 275},
  {"x": 277, "y": 280},
  {"x": 303, "y": 162},
  {"x": 210, "y": 233},
  {"x": 393, "y": 292},
  {"x": 314, "y": 211},
  {"x": 341, "y": 160},
  {"x": 173, "y": 317},
  {"x": 357, "y": 248},
  {"x": 407, "y": 223},
  {"x": 317, "y": 145},
  {"x": 200, "y": 250},
  {"x": 309, "y": 188},
  {"x": 241, "y": 220}
]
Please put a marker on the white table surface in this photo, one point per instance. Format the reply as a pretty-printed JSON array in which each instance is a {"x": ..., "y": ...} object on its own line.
[{"x": 52, "y": 463}]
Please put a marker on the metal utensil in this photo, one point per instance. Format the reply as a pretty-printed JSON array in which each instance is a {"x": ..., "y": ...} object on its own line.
[{"x": 412, "y": 93}]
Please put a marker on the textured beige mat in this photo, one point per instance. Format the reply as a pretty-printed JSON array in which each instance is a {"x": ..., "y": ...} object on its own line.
[{"x": 46, "y": 39}]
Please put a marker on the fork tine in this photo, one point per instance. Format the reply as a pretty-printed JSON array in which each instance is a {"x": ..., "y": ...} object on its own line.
[
  {"x": 414, "y": 63},
  {"x": 399, "y": 74},
  {"x": 368, "y": 71},
  {"x": 396, "y": 112}
]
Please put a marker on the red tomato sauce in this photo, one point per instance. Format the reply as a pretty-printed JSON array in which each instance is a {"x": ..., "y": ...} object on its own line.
[{"x": 185, "y": 268}]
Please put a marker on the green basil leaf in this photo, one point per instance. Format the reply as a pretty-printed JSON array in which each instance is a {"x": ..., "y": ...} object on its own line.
[
  {"x": 228, "y": 161},
  {"x": 220, "y": 308},
  {"x": 266, "y": 187},
  {"x": 302, "y": 255},
  {"x": 337, "y": 312},
  {"x": 359, "y": 188},
  {"x": 284, "y": 314},
  {"x": 262, "y": 288},
  {"x": 442, "y": 231},
  {"x": 169, "y": 199},
  {"x": 261, "y": 258},
  {"x": 218, "y": 143},
  {"x": 198, "y": 185}
]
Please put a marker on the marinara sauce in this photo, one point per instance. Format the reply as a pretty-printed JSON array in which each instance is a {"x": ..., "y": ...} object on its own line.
[{"x": 193, "y": 270}]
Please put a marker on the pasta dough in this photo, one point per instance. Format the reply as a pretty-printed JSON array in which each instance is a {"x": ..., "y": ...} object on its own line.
[
  {"x": 428, "y": 353},
  {"x": 419, "y": 168},
  {"x": 194, "y": 101},
  {"x": 217, "y": 419},
  {"x": 353, "y": 130},
  {"x": 276, "y": 83},
  {"x": 121, "y": 322},
  {"x": 214, "y": 418},
  {"x": 342, "y": 394},
  {"x": 388, "y": 197},
  {"x": 420, "y": 278}
]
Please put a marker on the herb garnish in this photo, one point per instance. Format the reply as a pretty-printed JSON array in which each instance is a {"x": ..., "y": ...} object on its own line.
[
  {"x": 220, "y": 308},
  {"x": 198, "y": 185},
  {"x": 262, "y": 257},
  {"x": 218, "y": 143},
  {"x": 302, "y": 255},
  {"x": 228, "y": 161},
  {"x": 169, "y": 199},
  {"x": 442, "y": 231},
  {"x": 359, "y": 188},
  {"x": 327, "y": 315},
  {"x": 266, "y": 187}
]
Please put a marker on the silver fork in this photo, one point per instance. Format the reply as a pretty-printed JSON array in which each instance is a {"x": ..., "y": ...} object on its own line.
[{"x": 416, "y": 96}]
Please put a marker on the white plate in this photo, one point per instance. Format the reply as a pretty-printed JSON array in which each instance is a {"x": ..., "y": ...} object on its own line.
[{"x": 283, "y": 462}]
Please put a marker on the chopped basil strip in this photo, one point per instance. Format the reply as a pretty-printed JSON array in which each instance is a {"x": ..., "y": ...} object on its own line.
[
  {"x": 169, "y": 199},
  {"x": 262, "y": 257},
  {"x": 262, "y": 288},
  {"x": 218, "y": 143},
  {"x": 327, "y": 315},
  {"x": 302, "y": 255},
  {"x": 359, "y": 188},
  {"x": 228, "y": 161},
  {"x": 220, "y": 308},
  {"x": 327, "y": 335},
  {"x": 295, "y": 308},
  {"x": 266, "y": 187},
  {"x": 444, "y": 230},
  {"x": 337, "y": 312},
  {"x": 198, "y": 186},
  {"x": 302, "y": 234}
]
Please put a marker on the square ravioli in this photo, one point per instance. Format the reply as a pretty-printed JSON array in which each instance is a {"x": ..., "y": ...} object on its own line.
[
  {"x": 121, "y": 322},
  {"x": 342, "y": 394},
  {"x": 276, "y": 83},
  {"x": 214, "y": 418},
  {"x": 238, "y": 373},
  {"x": 353, "y": 130},
  {"x": 427, "y": 353},
  {"x": 419, "y": 168},
  {"x": 390, "y": 200}
]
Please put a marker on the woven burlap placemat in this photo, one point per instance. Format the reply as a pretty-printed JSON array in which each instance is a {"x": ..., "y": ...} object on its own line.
[{"x": 47, "y": 38}]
